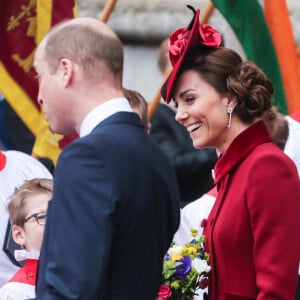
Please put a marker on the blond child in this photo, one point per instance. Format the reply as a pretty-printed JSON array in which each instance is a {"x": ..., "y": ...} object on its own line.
[{"x": 27, "y": 211}]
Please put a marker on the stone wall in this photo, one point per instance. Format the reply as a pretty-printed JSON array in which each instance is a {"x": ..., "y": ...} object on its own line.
[
  {"x": 142, "y": 24},
  {"x": 151, "y": 21}
]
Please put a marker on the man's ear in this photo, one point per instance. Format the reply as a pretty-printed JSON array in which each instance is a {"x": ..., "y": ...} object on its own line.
[
  {"x": 67, "y": 71},
  {"x": 18, "y": 235}
]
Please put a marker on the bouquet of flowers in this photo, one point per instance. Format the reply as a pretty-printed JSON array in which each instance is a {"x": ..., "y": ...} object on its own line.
[{"x": 185, "y": 270}]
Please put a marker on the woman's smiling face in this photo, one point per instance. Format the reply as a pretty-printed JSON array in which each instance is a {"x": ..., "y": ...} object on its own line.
[{"x": 202, "y": 110}]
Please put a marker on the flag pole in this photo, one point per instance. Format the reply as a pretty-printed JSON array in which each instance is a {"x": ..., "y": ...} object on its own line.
[
  {"x": 207, "y": 13},
  {"x": 156, "y": 99},
  {"x": 108, "y": 8}
]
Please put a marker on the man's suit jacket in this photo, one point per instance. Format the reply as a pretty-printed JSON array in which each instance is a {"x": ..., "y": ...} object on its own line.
[
  {"x": 192, "y": 166},
  {"x": 114, "y": 211}
]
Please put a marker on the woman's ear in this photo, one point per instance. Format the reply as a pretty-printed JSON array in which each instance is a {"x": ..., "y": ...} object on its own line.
[
  {"x": 18, "y": 235},
  {"x": 229, "y": 102},
  {"x": 232, "y": 102}
]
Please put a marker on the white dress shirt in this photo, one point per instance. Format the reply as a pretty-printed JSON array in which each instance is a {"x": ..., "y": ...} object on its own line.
[
  {"x": 101, "y": 112},
  {"x": 292, "y": 146}
]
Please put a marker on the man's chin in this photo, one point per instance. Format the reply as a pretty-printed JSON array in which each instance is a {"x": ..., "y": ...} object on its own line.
[
  {"x": 62, "y": 131},
  {"x": 56, "y": 130}
]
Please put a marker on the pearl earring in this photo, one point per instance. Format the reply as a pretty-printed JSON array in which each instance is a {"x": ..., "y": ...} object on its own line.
[{"x": 229, "y": 111}]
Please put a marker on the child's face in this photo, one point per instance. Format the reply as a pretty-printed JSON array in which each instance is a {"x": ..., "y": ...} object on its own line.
[{"x": 32, "y": 230}]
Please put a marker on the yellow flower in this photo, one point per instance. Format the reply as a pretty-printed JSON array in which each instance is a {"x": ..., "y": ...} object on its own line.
[
  {"x": 176, "y": 257},
  {"x": 175, "y": 284},
  {"x": 191, "y": 250}
]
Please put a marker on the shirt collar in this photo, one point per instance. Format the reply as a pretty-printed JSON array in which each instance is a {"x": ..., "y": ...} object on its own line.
[{"x": 101, "y": 112}]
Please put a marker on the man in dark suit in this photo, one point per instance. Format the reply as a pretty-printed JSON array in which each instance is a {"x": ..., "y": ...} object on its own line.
[{"x": 115, "y": 203}]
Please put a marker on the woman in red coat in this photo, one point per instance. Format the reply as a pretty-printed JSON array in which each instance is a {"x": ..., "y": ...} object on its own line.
[{"x": 253, "y": 230}]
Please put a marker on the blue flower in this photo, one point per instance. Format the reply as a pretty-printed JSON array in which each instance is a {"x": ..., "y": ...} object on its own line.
[
  {"x": 184, "y": 268},
  {"x": 167, "y": 256}
]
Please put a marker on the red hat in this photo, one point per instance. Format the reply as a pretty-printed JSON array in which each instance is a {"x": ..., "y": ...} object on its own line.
[
  {"x": 184, "y": 39},
  {"x": 2, "y": 160}
]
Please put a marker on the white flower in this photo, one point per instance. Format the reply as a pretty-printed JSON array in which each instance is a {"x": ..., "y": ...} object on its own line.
[
  {"x": 175, "y": 250},
  {"x": 200, "y": 265}
]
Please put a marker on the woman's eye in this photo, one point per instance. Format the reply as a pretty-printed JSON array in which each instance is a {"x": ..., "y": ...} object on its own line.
[{"x": 189, "y": 99}]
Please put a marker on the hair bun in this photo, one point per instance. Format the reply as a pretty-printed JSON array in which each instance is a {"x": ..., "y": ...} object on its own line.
[{"x": 253, "y": 90}]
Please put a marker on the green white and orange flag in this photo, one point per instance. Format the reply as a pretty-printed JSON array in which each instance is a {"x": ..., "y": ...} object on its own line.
[
  {"x": 278, "y": 20},
  {"x": 248, "y": 22},
  {"x": 23, "y": 23}
]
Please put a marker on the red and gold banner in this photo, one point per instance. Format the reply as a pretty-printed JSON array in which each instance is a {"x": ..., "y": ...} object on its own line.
[{"x": 23, "y": 23}]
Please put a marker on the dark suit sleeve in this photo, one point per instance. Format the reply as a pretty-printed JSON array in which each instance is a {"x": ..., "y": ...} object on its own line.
[{"x": 75, "y": 252}]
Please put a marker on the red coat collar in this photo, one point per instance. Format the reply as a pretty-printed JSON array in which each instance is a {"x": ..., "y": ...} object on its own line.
[
  {"x": 2, "y": 160},
  {"x": 27, "y": 274},
  {"x": 240, "y": 148}
]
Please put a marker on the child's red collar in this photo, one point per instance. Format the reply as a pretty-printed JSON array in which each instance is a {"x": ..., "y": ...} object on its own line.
[{"x": 2, "y": 160}]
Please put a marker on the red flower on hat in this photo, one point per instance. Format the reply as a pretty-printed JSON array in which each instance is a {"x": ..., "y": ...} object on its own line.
[
  {"x": 184, "y": 39},
  {"x": 179, "y": 40},
  {"x": 177, "y": 43},
  {"x": 209, "y": 36}
]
